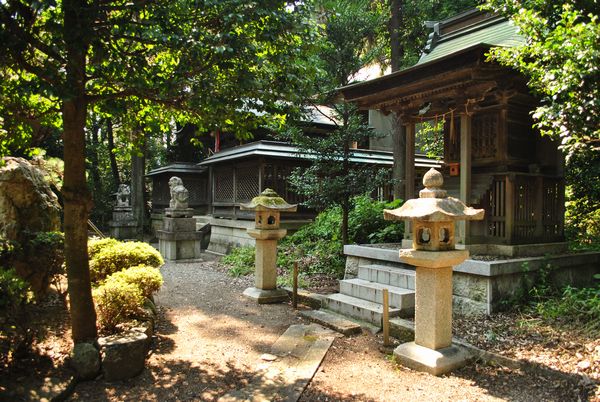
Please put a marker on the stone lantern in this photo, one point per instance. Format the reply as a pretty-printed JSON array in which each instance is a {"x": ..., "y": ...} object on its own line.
[
  {"x": 433, "y": 254},
  {"x": 268, "y": 207}
]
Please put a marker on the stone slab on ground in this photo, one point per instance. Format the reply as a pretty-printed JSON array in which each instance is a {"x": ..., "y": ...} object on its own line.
[
  {"x": 299, "y": 352},
  {"x": 333, "y": 321},
  {"x": 266, "y": 296}
]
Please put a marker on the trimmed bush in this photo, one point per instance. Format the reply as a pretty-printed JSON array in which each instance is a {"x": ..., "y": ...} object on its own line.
[
  {"x": 97, "y": 245},
  {"x": 147, "y": 279},
  {"x": 116, "y": 301},
  {"x": 120, "y": 256}
]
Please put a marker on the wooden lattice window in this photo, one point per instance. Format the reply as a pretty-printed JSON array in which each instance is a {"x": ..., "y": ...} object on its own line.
[
  {"x": 553, "y": 208},
  {"x": 525, "y": 203},
  {"x": 223, "y": 182},
  {"x": 246, "y": 183},
  {"x": 484, "y": 132},
  {"x": 496, "y": 217}
]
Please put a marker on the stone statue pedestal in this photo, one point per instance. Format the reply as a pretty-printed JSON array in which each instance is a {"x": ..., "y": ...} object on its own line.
[
  {"x": 123, "y": 225},
  {"x": 178, "y": 239}
]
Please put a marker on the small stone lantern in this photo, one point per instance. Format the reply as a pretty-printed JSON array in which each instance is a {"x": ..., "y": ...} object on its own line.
[
  {"x": 268, "y": 207},
  {"x": 433, "y": 216}
]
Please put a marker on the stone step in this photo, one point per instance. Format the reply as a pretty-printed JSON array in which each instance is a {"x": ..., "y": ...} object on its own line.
[
  {"x": 398, "y": 277},
  {"x": 401, "y": 298},
  {"x": 357, "y": 308},
  {"x": 334, "y": 321}
]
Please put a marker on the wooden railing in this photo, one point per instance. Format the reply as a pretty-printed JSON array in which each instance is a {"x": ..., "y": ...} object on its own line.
[{"x": 522, "y": 208}]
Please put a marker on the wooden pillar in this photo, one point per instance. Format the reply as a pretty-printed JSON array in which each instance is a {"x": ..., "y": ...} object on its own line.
[
  {"x": 509, "y": 208},
  {"x": 538, "y": 211},
  {"x": 409, "y": 169},
  {"x": 465, "y": 172}
]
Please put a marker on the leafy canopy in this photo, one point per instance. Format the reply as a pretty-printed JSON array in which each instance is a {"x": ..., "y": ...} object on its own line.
[
  {"x": 561, "y": 58},
  {"x": 226, "y": 64}
]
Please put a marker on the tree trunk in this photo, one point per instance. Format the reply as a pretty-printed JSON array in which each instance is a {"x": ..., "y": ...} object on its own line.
[
  {"x": 396, "y": 47},
  {"x": 95, "y": 172},
  {"x": 114, "y": 168},
  {"x": 75, "y": 192},
  {"x": 138, "y": 164},
  {"x": 398, "y": 135}
]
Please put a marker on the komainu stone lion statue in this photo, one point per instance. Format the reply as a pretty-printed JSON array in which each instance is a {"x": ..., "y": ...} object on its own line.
[
  {"x": 179, "y": 194},
  {"x": 123, "y": 195}
]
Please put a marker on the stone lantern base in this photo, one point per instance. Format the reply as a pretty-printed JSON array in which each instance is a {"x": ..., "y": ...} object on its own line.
[
  {"x": 436, "y": 362},
  {"x": 267, "y": 296}
]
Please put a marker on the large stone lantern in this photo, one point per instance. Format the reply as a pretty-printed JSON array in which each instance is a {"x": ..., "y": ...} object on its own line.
[
  {"x": 268, "y": 207},
  {"x": 433, "y": 254}
]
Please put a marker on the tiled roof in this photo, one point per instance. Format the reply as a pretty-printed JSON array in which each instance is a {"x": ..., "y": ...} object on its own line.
[{"x": 495, "y": 31}]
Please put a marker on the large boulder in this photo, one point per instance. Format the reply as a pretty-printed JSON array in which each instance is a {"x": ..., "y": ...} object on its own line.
[{"x": 26, "y": 201}]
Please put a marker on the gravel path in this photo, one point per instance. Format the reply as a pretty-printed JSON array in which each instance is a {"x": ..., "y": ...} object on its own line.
[{"x": 210, "y": 338}]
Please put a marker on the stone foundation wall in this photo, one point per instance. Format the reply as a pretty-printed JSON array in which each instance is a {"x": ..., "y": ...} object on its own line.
[{"x": 227, "y": 234}]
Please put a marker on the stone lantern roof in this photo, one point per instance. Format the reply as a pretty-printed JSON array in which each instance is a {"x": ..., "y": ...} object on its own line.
[
  {"x": 269, "y": 200},
  {"x": 433, "y": 204}
]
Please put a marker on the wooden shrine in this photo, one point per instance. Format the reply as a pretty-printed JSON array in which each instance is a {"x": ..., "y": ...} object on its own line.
[{"x": 495, "y": 157}]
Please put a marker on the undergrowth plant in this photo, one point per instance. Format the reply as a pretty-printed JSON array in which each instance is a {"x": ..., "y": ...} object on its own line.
[
  {"x": 573, "y": 307},
  {"x": 240, "y": 261}
]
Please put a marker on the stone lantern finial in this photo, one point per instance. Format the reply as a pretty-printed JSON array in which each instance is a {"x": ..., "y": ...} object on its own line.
[{"x": 433, "y": 181}]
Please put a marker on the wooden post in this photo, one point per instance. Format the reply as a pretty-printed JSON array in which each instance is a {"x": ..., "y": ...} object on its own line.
[
  {"x": 509, "y": 208},
  {"x": 465, "y": 171},
  {"x": 409, "y": 170},
  {"x": 295, "y": 286},
  {"x": 386, "y": 318}
]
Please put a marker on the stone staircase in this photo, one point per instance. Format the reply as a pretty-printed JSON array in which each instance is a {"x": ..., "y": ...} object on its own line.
[{"x": 361, "y": 298}]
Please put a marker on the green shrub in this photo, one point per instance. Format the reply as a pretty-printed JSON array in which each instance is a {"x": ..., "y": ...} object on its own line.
[
  {"x": 14, "y": 330},
  {"x": 97, "y": 245},
  {"x": 38, "y": 259},
  {"x": 366, "y": 223},
  {"x": 117, "y": 301},
  {"x": 8, "y": 248},
  {"x": 147, "y": 279},
  {"x": 575, "y": 307},
  {"x": 122, "y": 255},
  {"x": 241, "y": 261},
  {"x": 318, "y": 247}
]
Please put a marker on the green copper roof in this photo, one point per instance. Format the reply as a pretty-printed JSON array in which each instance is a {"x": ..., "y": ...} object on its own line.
[{"x": 494, "y": 32}]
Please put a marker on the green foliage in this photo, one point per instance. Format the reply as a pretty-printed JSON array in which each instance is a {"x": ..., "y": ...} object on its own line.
[
  {"x": 117, "y": 257},
  {"x": 575, "y": 307},
  {"x": 116, "y": 301},
  {"x": 349, "y": 39},
  {"x": 366, "y": 223},
  {"x": 14, "y": 297},
  {"x": 430, "y": 138},
  {"x": 147, "y": 279},
  {"x": 241, "y": 261},
  {"x": 582, "y": 218},
  {"x": 560, "y": 56},
  {"x": 95, "y": 246}
]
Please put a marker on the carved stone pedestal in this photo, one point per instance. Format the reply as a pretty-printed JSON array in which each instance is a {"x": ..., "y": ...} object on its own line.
[
  {"x": 123, "y": 225},
  {"x": 179, "y": 240}
]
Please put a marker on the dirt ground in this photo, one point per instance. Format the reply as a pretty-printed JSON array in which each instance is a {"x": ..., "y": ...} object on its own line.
[{"x": 210, "y": 338}]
